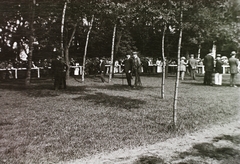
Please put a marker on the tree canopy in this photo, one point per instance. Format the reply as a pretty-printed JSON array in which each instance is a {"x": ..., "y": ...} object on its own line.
[{"x": 139, "y": 23}]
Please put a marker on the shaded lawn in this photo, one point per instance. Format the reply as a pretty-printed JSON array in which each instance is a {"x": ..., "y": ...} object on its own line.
[
  {"x": 225, "y": 154},
  {"x": 40, "y": 125}
]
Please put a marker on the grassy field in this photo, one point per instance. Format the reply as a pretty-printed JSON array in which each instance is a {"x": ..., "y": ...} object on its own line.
[{"x": 40, "y": 125}]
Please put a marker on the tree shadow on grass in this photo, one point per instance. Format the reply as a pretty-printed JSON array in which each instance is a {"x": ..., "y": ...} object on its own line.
[
  {"x": 39, "y": 88},
  {"x": 149, "y": 160},
  {"x": 193, "y": 83},
  {"x": 19, "y": 84},
  {"x": 119, "y": 87},
  {"x": 211, "y": 151},
  {"x": 111, "y": 101},
  {"x": 233, "y": 139},
  {"x": 201, "y": 83},
  {"x": 44, "y": 87},
  {"x": 13, "y": 84}
]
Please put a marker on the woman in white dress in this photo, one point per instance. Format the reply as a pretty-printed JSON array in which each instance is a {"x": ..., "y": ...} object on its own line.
[
  {"x": 116, "y": 67},
  {"x": 159, "y": 65},
  {"x": 182, "y": 67}
]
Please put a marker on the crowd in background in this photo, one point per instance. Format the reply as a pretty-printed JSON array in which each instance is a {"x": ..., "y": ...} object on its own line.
[
  {"x": 8, "y": 65},
  {"x": 149, "y": 65}
]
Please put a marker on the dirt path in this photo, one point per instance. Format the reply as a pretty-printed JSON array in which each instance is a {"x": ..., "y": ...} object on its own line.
[{"x": 217, "y": 144}]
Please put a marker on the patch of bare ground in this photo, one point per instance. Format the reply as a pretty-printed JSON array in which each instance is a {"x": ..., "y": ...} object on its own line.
[{"x": 218, "y": 144}]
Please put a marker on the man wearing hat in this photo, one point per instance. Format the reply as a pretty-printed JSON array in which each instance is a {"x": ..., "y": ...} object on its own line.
[
  {"x": 193, "y": 66},
  {"x": 208, "y": 63},
  {"x": 218, "y": 70},
  {"x": 128, "y": 66},
  {"x": 233, "y": 62},
  {"x": 102, "y": 69},
  {"x": 57, "y": 67},
  {"x": 137, "y": 68},
  {"x": 182, "y": 67}
]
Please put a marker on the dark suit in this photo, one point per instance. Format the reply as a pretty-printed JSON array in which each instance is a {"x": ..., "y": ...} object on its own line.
[
  {"x": 209, "y": 65},
  {"x": 102, "y": 70},
  {"x": 57, "y": 71},
  {"x": 233, "y": 62},
  {"x": 193, "y": 66},
  {"x": 64, "y": 71},
  {"x": 137, "y": 69},
  {"x": 128, "y": 66}
]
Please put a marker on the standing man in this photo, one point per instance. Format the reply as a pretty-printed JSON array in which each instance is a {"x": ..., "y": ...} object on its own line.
[
  {"x": 128, "y": 66},
  {"x": 57, "y": 71},
  {"x": 102, "y": 69},
  {"x": 218, "y": 70},
  {"x": 208, "y": 63},
  {"x": 137, "y": 69},
  {"x": 64, "y": 71},
  {"x": 233, "y": 62},
  {"x": 193, "y": 66}
]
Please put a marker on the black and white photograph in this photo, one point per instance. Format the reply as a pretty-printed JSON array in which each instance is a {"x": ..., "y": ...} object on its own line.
[{"x": 119, "y": 81}]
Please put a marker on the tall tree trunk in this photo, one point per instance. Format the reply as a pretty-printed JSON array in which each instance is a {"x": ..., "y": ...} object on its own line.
[
  {"x": 62, "y": 27},
  {"x": 214, "y": 49},
  {"x": 178, "y": 74},
  {"x": 167, "y": 56},
  {"x": 112, "y": 53},
  {"x": 67, "y": 50},
  {"x": 28, "y": 78},
  {"x": 199, "y": 50},
  {"x": 85, "y": 50},
  {"x": 164, "y": 62},
  {"x": 118, "y": 40}
]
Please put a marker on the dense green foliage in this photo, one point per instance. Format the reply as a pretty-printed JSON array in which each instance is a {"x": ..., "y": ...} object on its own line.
[{"x": 139, "y": 27}]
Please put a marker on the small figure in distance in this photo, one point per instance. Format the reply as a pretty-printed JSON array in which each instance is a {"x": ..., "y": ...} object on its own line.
[
  {"x": 102, "y": 69},
  {"x": 128, "y": 66},
  {"x": 182, "y": 67},
  {"x": 233, "y": 62},
  {"x": 159, "y": 65},
  {"x": 64, "y": 71},
  {"x": 137, "y": 69},
  {"x": 57, "y": 71},
  {"x": 193, "y": 66},
  {"x": 218, "y": 70},
  {"x": 208, "y": 63}
]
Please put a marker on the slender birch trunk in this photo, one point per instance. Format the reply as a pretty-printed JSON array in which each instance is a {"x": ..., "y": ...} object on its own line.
[
  {"x": 112, "y": 53},
  {"x": 164, "y": 62},
  {"x": 62, "y": 27},
  {"x": 85, "y": 50},
  {"x": 178, "y": 74},
  {"x": 214, "y": 49},
  {"x": 67, "y": 50},
  {"x": 118, "y": 40},
  {"x": 199, "y": 51},
  {"x": 29, "y": 67}
]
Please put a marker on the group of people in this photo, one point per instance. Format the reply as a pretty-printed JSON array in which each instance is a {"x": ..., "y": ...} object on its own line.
[
  {"x": 210, "y": 66},
  {"x": 8, "y": 65},
  {"x": 132, "y": 65},
  {"x": 192, "y": 65}
]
